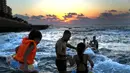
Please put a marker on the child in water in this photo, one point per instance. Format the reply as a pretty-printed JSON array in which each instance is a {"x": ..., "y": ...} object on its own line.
[
  {"x": 81, "y": 59},
  {"x": 26, "y": 52}
]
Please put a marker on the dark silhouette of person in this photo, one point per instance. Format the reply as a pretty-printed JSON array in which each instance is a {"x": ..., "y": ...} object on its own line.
[
  {"x": 81, "y": 59},
  {"x": 61, "y": 57},
  {"x": 94, "y": 43}
]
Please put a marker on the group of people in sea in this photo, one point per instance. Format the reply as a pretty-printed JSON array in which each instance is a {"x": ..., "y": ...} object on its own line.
[
  {"x": 25, "y": 53},
  {"x": 80, "y": 59}
]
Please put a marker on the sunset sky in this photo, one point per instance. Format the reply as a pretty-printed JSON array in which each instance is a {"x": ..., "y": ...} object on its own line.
[{"x": 60, "y": 8}]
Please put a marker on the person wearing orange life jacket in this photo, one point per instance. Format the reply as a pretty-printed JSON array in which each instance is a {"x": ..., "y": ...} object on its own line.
[{"x": 25, "y": 53}]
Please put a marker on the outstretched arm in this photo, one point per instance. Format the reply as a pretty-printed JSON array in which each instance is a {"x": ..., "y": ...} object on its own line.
[{"x": 70, "y": 46}]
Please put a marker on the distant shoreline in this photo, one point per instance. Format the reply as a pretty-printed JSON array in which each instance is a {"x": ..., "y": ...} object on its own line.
[{"x": 8, "y": 25}]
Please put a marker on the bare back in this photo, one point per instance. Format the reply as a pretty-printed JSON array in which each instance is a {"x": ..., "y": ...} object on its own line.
[
  {"x": 77, "y": 59},
  {"x": 86, "y": 58}
]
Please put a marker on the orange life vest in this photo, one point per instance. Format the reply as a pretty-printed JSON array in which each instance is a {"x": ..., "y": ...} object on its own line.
[{"x": 22, "y": 49}]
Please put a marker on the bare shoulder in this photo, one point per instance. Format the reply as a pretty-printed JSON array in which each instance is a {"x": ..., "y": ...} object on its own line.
[{"x": 59, "y": 41}]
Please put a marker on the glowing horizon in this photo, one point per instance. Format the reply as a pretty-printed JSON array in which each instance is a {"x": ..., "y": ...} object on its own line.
[{"x": 90, "y": 8}]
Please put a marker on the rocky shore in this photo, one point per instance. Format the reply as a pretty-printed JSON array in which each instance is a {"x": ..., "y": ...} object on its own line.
[{"x": 7, "y": 25}]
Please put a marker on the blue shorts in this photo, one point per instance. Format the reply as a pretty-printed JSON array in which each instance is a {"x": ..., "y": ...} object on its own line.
[{"x": 16, "y": 65}]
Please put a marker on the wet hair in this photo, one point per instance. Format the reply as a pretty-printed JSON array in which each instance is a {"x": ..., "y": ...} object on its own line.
[
  {"x": 94, "y": 36},
  {"x": 80, "y": 50},
  {"x": 67, "y": 32},
  {"x": 35, "y": 34}
]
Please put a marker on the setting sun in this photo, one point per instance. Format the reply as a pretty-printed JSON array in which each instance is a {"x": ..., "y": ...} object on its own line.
[
  {"x": 60, "y": 7},
  {"x": 57, "y": 36},
  {"x": 68, "y": 11}
]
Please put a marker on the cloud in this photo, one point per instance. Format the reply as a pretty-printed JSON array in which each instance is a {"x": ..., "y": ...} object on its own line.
[
  {"x": 52, "y": 17},
  {"x": 105, "y": 15},
  {"x": 109, "y": 17},
  {"x": 39, "y": 17},
  {"x": 76, "y": 18},
  {"x": 127, "y": 14},
  {"x": 75, "y": 15},
  {"x": 112, "y": 11},
  {"x": 69, "y": 15},
  {"x": 104, "y": 18},
  {"x": 118, "y": 18},
  {"x": 72, "y": 13},
  {"x": 80, "y": 15}
]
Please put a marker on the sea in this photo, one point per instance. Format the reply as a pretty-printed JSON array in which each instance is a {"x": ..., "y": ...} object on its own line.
[{"x": 113, "y": 56}]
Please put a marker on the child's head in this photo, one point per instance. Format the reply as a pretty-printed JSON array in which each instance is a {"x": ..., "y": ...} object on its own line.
[
  {"x": 35, "y": 35},
  {"x": 94, "y": 37},
  {"x": 80, "y": 48}
]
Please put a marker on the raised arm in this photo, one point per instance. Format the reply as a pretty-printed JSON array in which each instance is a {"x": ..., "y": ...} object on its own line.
[
  {"x": 84, "y": 40},
  {"x": 90, "y": 43},
  {"x": 97, "y": 45}
]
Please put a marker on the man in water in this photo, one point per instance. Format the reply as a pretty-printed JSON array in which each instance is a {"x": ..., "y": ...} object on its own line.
[
  {"x": 94, "y": 43},
  {"x": 60, "y": 47},
  {"x": 86, "y": 44}
]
